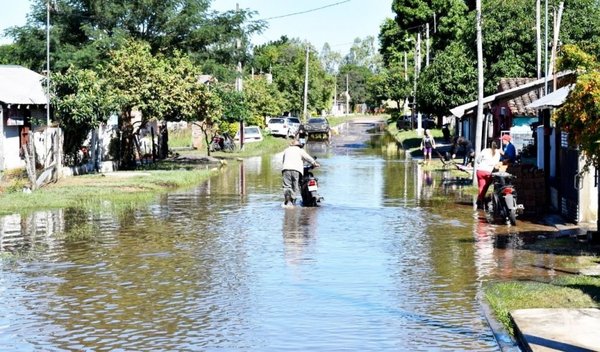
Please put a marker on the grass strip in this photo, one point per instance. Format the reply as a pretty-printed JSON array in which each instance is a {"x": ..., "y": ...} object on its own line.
[
  {"x": 568, "y": 291},
  {"x": 96, "y": 191}
]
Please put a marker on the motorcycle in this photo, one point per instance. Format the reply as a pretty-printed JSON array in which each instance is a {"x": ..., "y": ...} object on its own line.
[
  {"x": 503, "y": 204},
  {"x": 309, "y": 186},
  {"x": 222, "y": 142}
]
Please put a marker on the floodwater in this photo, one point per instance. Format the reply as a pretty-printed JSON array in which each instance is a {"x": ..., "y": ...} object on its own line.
[{"x": 393, "y": 260}]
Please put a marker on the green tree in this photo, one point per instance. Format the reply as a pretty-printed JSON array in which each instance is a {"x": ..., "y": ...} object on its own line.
[
  {"x": 81, "y": 102},
  {"x": 236, "y": 107},
  {"x": 364, "y": 53},
  {"x": 165, "y": 89},
  {"x": 412, "y": 15},
  {"x": 450, "y": 80},
  {"x": 263, "y": 99},
  {"x": 209, "y": 112},
  {"x": 330, "y": 59},
  {"x": 6, "y": 54},
  {"x": 357, "y": 80},
  {"x": 580, "y": 112},
  {"x": 83, "y": 31},
  {"x": 389, "y": 84},
  {"x": 581, "y": 20},
  {"x": 286, "y": 60}
]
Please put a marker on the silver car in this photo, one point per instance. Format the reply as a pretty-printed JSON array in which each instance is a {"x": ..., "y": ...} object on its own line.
[{"x": 283, "y": 126}]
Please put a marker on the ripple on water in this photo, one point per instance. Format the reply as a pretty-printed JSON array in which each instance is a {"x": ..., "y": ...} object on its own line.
[{"x": 209, "y": 269}]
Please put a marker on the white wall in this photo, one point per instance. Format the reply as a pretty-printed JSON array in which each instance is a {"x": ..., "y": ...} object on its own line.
[
  {"x": 11, "y": 148},
  {"x": 588, "y": 196}
]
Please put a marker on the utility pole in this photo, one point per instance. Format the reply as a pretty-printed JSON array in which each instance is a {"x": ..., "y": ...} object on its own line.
[
  {"x": 480, "y": 82},
  {"x": 557, "y": 20},
  {"x": 538, "y": 36},
  {"x": 414, "y": 111},
  {"x": 405, "y": 67},
  {"x": 546, "y": 51},
  {"x": 238, "y": 81},
  {"x": 305, "y": 85},
  {"x": 46, "y": 139},
  {"x": 427, "y": 44},
  {"x": 347, "y": 97},
  {"x": 419, "y": 122},
  {"x": 335, "y": 104}
]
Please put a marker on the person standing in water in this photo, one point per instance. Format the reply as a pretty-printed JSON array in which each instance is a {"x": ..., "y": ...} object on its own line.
[
  {"x": 427, "y": 145},
  {"x": 293, "y": 169}
]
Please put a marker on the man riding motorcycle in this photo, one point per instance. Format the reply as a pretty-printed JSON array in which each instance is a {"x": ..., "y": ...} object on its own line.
[{"x": 293, "y": 169}]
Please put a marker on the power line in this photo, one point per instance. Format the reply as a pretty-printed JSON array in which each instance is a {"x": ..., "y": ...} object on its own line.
[{"x": 307, "y": 11}]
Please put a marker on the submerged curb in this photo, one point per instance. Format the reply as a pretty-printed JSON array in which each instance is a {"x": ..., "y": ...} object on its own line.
[{"x": 505, "y": 341}]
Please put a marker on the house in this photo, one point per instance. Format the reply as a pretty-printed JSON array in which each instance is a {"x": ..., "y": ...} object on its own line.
[
  {"x": 513, "y": 116},
  {"x": 566, "y": 189},
  {"x": 513, "y": 95},
  {"x": 22, "y": 103},
  {"x": 573, "y": 193}
]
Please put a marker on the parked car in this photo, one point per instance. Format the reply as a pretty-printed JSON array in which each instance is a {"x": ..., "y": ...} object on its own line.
[
  {"x": 317, "y": 126},
  {"x": 283, "y": 126},
  {"x": 251, "y": 134},
  {"x": 410, "y": 122}
]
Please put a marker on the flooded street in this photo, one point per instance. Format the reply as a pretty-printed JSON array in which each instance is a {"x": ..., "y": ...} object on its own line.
[{"x": 391, "y": 261}]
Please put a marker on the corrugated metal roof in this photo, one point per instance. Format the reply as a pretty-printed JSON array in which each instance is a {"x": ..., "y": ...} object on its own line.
[
  {"x": 20, "y": 85},
  {"x": 552, "y": 100},
  {"x": 518, "y": 105},
  {"x": 508, "y": 94}
]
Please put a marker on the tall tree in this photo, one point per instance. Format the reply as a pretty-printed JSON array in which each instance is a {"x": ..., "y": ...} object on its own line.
[
  {"x": 356, "y": 78},
  {"x": 364, "y": 53},
  {"x": 286, "y": 60},
  {"x": 83, "y": 30},
  {"x": 165, "y": 89},
  {"x": 449, "y": 81},
  {"x": 263, "y": 99},
  {"x": 81, "y": 102},
  {"x": 330, "y": 59}
]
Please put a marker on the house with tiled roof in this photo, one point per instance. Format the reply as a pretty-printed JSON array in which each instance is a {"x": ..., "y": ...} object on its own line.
[
  {"x": 508, "y": 108},
  {"x": 563, "y": 187}
]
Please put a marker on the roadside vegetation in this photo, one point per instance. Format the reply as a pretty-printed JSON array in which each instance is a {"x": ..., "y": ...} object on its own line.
[
  {"x": 565, "y": 291},
  {"x": 338, "y": 120},
  {"x": 120, "y": 190},
  {"x": 180, "y": 138},
  {"x": 574, "y": 286},
  {"x": 116, "y": 190}
]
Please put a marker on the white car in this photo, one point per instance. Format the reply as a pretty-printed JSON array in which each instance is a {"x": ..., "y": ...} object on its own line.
[
  {"x": 283, "y": 126},
  {"x": 251, "y": 134}
]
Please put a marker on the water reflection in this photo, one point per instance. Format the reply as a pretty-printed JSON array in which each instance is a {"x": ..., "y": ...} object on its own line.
[
  {"x": 380, "y": 266},
  {"x": 299, "y": 234}
]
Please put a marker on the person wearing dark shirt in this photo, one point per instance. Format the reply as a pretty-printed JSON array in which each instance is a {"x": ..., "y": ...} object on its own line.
[
  {"x": 467, "y": 147},
  {"x": 508, "y": 153}
]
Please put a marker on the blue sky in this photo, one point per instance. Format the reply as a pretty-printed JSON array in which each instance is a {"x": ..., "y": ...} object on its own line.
[{"x": 337, "y": 25}]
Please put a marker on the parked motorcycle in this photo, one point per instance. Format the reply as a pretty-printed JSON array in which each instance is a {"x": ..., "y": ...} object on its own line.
[
  {"x": 503, "y": 204},
  {"x": 222, "y": 143},
  {"x": 309, "y": 186}
]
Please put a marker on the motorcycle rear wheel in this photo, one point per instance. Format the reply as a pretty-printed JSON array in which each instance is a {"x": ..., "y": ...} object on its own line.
[{"x": 512, "y": 216}]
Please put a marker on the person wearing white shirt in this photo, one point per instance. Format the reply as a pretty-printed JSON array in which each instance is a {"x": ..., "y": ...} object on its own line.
[
  {"x": 487, "y": 161},
  {"x": 293, "y": 169}
]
